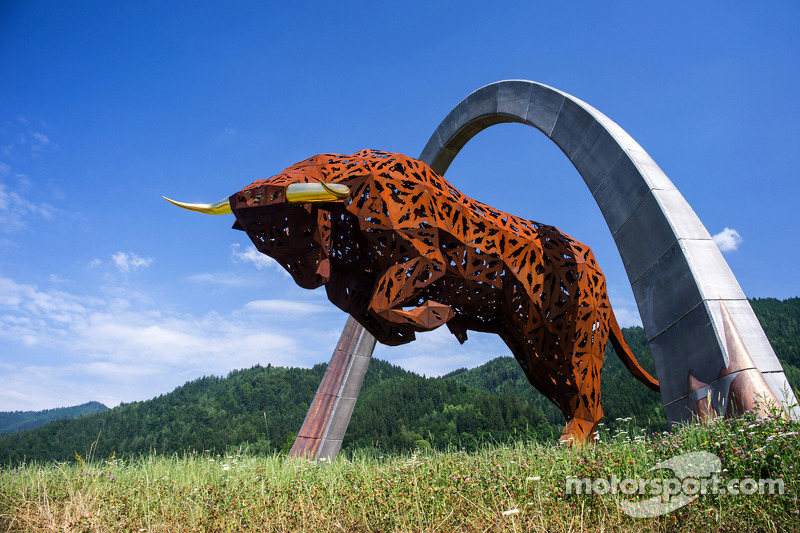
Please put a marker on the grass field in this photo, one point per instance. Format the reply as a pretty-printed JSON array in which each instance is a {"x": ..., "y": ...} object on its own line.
[{"x": 515, "y": 487}]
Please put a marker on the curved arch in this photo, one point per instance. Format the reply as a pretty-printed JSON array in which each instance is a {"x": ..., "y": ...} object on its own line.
[{"x": 678, "y": 275}]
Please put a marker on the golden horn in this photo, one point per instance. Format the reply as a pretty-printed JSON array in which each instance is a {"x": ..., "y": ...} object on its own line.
[
  {"x": 305, "y": 193},
  {"x": 338, "y": 190},
  {"x": 223, "y": 207}
]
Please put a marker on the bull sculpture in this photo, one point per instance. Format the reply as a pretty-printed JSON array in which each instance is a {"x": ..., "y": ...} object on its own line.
[{"x": 401, "y": 250}]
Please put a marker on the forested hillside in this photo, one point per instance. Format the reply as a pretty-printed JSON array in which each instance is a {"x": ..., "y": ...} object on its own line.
[
  {"x": 623, "y": 396},
  {"x": 781, "y": 322},
  {"x": 13, "y": 421},
  {"x": 261, "y": 405},
  {"x": 264, "y": 407}
]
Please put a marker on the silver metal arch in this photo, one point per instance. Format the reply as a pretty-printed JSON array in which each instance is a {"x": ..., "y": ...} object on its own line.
[{"x": 677, "y": 273}]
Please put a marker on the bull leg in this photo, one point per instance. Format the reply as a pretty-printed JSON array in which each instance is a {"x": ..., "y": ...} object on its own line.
[
  {"x": 573, "y": 387},
  {"x": 581, "y": 405},
  {"x": 578, "y": 402},
  {"x": 399, "y": 285}
]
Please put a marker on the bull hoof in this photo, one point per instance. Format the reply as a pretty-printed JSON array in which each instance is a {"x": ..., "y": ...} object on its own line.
[{"x": 578, "y": 432}]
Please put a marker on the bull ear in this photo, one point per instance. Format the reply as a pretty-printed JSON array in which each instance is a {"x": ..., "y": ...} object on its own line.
[
  {"x": 308, "y": 193},
  {"x": 223, "y": 207}
]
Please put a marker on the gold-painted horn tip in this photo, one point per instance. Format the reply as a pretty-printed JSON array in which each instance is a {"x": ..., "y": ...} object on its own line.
[
  {"x": 302, "y": 193},
  {"x": 223, "y": 207},
  {"x": 336, "y": 189}
]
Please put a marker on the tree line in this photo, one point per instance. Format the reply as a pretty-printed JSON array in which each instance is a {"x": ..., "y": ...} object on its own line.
[{"x": 13, "y": 421}]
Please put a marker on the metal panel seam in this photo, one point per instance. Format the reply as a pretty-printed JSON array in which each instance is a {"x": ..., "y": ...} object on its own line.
[{"x": 558, "y": 116}]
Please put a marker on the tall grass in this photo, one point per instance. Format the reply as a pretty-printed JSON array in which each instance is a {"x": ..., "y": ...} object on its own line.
[{"x": 514, "y": 487}]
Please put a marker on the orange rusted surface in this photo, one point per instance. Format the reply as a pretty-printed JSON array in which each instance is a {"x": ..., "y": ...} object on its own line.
[
  {"x": 310, "y": 435},
  {"x": 405, "y": 251}
]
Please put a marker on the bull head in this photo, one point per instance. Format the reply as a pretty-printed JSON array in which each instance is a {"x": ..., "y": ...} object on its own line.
[{"x": 291, "y": 228}]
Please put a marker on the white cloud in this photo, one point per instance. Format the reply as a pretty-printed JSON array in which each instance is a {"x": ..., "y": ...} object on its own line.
[
  {"x": 627, "y": 318},
  {"x": 37, "y": 318},
  {"x": 224, "y": 279},
  {"x": 437, "y": 352},
  {"x": 15, "y": 209},
  {"x": 24, "y": 182},
  {"x": 7, "y": 198},
  {"x": 125, "y": 262},
  {"x": 254, "y": 257},
  {"x": 286, "y": 307},
  {"x": 41, "y": 138},
  {"x": 728, "y": 240},
  {"x": 624, "y": 307},
  {"x": 227, "y": 133},
  {"x": 69, "y": 349},
  {"x": 35, "y": 141}
]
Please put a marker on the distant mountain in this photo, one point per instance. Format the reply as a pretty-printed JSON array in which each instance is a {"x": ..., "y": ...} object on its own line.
[
  {"x": 264, "y": 407},
  {"x": 13, "y": 421}
]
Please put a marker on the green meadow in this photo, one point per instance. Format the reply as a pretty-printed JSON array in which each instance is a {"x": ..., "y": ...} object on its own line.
[{"x": 520, "y": 486}]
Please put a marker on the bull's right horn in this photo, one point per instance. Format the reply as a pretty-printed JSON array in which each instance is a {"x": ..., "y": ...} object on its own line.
[
  {"x": 223, "y": 207},
  {"x": 306, "y": 193}
]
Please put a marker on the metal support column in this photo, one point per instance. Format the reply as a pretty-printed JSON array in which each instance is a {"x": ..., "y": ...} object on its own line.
[{"x": 327, "y": 419}]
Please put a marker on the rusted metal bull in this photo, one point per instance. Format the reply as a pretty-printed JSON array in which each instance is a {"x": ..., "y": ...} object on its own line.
[{"x": 401, "y": 250}]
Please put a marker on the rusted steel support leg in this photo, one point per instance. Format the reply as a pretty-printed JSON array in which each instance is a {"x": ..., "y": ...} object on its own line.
[{"x": 327, "y": 419}]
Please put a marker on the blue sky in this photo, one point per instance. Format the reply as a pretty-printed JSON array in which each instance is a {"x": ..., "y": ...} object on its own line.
[{"x": 108, "y": 293}]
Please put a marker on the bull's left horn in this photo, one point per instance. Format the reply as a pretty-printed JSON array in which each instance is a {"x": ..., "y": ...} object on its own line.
[
  {"x": 223, "y": 207},
  {"x": 305, "y": 193}
]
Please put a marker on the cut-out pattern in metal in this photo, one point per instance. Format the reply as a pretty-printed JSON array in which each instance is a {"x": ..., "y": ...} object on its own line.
[{"x": 401, "y": 250}]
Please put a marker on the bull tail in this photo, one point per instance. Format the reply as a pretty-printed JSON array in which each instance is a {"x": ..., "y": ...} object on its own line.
[{"x": 626, "y": 356}]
